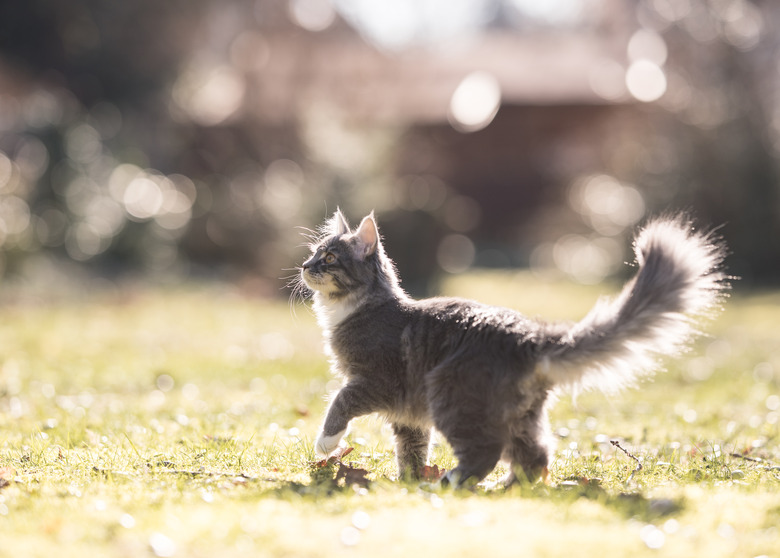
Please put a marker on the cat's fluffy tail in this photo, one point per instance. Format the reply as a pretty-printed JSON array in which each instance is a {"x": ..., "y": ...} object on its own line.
[{"x": 680, "y": 279}]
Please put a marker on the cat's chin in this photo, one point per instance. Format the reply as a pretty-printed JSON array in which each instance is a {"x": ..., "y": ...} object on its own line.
[{"x": 316, "y": 284}]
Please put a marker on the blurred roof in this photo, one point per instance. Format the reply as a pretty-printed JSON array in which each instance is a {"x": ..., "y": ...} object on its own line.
[
  {"x": 417, "y": 84},
  {"x": 289, "y": 68}
]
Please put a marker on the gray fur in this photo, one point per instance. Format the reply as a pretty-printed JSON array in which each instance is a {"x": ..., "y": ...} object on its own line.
[{"x": 484, "y": 376}]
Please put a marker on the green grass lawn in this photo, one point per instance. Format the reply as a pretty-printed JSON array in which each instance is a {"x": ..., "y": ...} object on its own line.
[{"x": 180, "y": 423}]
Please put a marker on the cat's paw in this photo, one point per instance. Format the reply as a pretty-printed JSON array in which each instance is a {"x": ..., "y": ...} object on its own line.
[{"x": 324, "y": 446}]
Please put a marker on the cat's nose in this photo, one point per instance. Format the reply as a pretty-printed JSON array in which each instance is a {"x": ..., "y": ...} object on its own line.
[{"x": 309, "y": 263}]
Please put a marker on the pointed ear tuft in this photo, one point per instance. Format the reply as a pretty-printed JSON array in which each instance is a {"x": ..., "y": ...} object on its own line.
[
  {"x": 338, "y": 224},
  {"x": 367, "y": 236}
]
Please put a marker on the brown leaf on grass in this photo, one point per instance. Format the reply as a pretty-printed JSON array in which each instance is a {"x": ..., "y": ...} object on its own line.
[
  {"x": 341, "y": 452},
  {"x": 431, "y": 473},
  {"x": 333, "y": 459},
  {"x": 7, "y": 474},
  {"x": 346, "y": 472},
  {"x": 352, "y": 475},
  {"x": 302, "y": 410}
]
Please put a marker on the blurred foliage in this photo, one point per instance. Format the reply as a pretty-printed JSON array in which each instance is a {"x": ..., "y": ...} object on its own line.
[{"x": 163, "y": 140}]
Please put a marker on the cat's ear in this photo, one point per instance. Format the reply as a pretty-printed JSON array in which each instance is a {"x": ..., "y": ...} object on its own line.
[
  {"x": 338, "y": 224},
  {"x": 367, "y": 236}
]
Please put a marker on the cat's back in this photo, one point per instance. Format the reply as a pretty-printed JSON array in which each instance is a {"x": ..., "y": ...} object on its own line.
[
  {"x": 446, "y": 324},
  {"x": 463, "y": 315},
  {"x": 419, "y": 334}
]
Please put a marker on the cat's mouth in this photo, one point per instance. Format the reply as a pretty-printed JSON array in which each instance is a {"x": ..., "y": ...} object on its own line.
[
  {"x": 316, "y": 282},
  {"x": 324, "y": 284}
]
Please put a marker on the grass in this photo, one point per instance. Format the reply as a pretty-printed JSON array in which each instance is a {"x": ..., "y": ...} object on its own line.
[{"x": 180, "y": 423}]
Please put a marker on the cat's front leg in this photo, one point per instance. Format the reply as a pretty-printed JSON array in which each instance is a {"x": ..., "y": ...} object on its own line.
[
  {"x": 326, "y": 445},
  {"x": 411, "y": 450},
  {"x": 353, "y": 400}
]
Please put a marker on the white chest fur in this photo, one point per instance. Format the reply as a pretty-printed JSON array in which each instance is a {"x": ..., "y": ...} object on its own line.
[{"x": 331, "y": 313}]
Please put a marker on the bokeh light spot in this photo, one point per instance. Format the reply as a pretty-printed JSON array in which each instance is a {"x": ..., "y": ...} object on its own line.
[
  {"x": 645, "y": 81},
  {"x": 672, "y": 10},
  {"x": 475, "y": 102},
  {"x": 84, "y": 241},
  {"x": 607, "y": 80},
  {"x": 456, "y": 253},
  {"x": 142, "y": 198},
  {"x": 282, "y": 192},
  {"x": 162, "y": 545},
  {"x": 551, "y": 12},
  {"x": 350, "y": 536},
  {"x": 14, "y": 215},
  {"x": 652, "y": 536},
  {"x": 176, "y": 210},
  {"x": 312, "y": 15},
  {"x": 462, "y": 213},
  {"x": 607, "y": 204},
  {"x": 42, "y": 108},
  {"x": 209, "y": 96},
  {"x": 6, "y": 170},
  {"x": 32, "y": 158},
  {"x": 83, "y": 144},
  {"x": 743, "y": 25},
  {"x": 586, "y": 261}
]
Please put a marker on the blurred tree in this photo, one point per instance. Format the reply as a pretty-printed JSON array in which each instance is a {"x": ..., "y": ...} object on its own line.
[{"x": 193, "y": 135}]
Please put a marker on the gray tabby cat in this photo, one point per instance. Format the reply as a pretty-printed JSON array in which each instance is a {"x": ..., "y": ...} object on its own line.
[{"x": 485, "y": 376}]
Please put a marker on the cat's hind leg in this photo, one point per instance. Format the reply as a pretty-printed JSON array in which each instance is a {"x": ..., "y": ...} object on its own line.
[
  {"x": 463, "y": 405},
  {"x": 529, "y": 459},
  {"x": 475, "y": 462},
  {"x": 530, "y": 445},
  {"x": 477, "y": 440},
  {"x": 411, "y": 450}
]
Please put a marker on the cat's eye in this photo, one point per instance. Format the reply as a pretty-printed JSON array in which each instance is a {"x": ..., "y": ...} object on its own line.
[{"x": 329, "y": 258}]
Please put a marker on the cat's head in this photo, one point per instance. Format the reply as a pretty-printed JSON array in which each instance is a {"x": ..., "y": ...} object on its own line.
[{"x": 348, "y": 263}]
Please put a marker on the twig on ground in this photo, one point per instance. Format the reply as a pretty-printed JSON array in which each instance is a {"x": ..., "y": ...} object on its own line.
[
  {"x": 629, "y": 454},
  {"x": 767, "y": 463},
  {"x": 747, "y": 458}
]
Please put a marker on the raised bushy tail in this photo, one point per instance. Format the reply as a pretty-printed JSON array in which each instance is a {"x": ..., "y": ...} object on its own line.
[{"x": 680, "y": 279}]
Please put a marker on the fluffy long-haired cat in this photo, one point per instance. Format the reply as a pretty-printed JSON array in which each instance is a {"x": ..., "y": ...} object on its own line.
[{"x": 484, "y": 376}]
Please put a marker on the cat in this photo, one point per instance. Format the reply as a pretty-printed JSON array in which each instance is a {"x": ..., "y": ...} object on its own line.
[{"x": 485, "y": 376}]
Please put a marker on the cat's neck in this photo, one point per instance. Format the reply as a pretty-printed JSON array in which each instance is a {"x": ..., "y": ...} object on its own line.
[{"x": 330, "y": 313}]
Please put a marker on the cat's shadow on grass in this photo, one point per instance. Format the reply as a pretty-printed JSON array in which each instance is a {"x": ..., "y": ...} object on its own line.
[{"x": 346, "y": 478}]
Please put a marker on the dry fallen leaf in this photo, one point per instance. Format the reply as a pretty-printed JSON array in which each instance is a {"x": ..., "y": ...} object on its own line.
[
  {"x": 302, "y": 410},
  {"x": 7, "y": 473},
  {"x": 352, "y": 475},
  {"x": 333, "y": 459},
  {"x": 431, "y": 473}
]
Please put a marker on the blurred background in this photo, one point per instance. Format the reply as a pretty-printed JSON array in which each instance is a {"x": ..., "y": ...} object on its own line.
[{"x": 188, "y": 139}]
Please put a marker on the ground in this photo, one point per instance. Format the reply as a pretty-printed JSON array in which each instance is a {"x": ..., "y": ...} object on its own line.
[{"x": 179, "y": 422}]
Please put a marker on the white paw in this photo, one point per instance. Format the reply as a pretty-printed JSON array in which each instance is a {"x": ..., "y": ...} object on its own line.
[{"x": 326, "y": 445}]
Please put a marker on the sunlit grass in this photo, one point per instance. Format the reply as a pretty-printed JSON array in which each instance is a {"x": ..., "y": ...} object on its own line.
[{"x": 180, "y": 423}]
